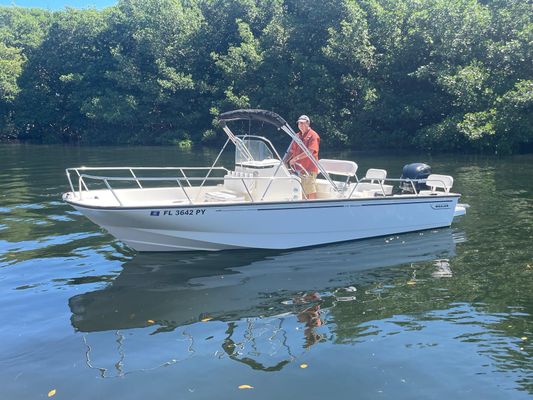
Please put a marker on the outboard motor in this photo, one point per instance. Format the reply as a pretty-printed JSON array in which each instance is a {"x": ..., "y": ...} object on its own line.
[{"x": 414, "y": 171}]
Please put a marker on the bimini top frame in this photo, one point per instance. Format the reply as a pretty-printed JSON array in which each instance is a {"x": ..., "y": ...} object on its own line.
[{"x": 273, "y": 119}]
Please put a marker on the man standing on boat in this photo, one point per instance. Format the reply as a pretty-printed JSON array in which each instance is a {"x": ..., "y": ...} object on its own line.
[{"x": 300, "y": 162}]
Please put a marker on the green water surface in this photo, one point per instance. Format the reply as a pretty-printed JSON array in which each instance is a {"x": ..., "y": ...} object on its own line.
[{"x": 443, "y": 314}]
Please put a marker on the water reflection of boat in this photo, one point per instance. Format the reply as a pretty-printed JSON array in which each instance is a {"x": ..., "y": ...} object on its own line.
[
  {"x": 263, "y": 308},
  {"x": 247, "y": 284}
]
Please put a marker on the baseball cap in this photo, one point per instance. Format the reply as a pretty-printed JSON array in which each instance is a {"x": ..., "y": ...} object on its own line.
[{"x": 304, "y": 118}]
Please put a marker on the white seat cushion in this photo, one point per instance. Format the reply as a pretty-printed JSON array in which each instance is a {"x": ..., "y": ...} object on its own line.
[
  {"x": 338, "y": 167},
  {"x": 376, "y": 174},
  {"x": 435, "y": 181}
]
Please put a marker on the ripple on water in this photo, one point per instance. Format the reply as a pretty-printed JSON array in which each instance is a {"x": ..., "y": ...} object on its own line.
[
  {"x": 61, "y": 218},
  {"x": 31, "y": 206},
  {"x": 10, "y": 249}
]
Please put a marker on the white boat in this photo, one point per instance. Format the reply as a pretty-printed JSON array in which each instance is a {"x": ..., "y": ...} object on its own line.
[{"x": 259, "y": 202}]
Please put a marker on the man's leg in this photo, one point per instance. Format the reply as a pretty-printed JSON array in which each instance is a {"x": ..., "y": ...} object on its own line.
[{"x": 309, "y": 185}]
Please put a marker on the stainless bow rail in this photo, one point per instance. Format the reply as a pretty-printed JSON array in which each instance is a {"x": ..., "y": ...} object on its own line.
[{"x": 183, "y": 181}]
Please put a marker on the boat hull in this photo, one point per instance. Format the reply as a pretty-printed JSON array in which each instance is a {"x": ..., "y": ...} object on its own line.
[{"x": 269, "y": 225}]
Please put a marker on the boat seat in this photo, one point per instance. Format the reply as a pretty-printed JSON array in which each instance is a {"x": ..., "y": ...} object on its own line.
[
  {"x": 326, "y": 191},
  {"x": 338, "y": 167},
  {"x": 436, "y": 181},
  {"x": 375, "y": 175},
  {"x": 335, "y": 167},
  {"x": 366, "y": 193},
  {"x": 376, "y": 188},
  {"x": 374, "y": 182},
  {"x": 223, "y": 196}
]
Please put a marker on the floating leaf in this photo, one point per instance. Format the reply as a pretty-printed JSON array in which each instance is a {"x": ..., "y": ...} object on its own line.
[
  {"x": 151, "y": 321},
  {"x": 524, "y": 338},
  {"x": 246, "y": 387},
  {"x": 303, "y": 366},
  {"x": 51, "y": 393},
  {"x": 206, "y": 319}
]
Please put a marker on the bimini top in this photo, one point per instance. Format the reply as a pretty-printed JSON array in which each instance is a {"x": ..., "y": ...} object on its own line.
[{"x": 253, "y": 115}]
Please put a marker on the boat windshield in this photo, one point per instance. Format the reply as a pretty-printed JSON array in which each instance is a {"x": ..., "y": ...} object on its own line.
[{"x": 254, "y": 149}]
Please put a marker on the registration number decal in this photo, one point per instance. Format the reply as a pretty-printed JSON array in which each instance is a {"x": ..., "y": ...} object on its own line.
[{"x": 186, "y": 211}]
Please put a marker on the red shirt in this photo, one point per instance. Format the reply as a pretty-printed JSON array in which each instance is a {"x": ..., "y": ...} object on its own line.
[{"x": 312, "y": 141}]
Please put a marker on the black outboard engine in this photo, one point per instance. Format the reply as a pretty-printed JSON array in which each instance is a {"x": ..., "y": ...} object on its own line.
[{"x": 414, "y": 171}]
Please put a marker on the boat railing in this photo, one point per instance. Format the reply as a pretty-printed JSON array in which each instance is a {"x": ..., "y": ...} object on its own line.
[
  {"x": 183, "y": 181},
  {"x": 411, "y": 182},
  {"x": 186, "y": 180},
  {"x": 132, "y": 170},
  {"x": 82, "y": 185}
]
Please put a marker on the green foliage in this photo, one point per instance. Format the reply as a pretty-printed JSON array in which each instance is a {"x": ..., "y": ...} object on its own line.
[
  {"x": 11, "y": 61},
  {"x": 478, "y": 125},
  {"x": 23, "y": 28},
  {"x": 514, "y": 118},
  {"x": 444, "y": 75}
]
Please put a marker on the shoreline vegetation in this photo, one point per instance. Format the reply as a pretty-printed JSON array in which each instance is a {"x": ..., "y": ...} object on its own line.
[{"x": 437, "y": 75}]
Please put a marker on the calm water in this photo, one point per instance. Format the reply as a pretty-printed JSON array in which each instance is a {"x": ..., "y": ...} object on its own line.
[{"x": 433, "y": 315}]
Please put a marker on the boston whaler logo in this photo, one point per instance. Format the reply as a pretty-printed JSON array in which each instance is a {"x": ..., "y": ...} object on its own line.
[
  {"x": 186, "y": 211},
  {"x": 440, "y": 206}
]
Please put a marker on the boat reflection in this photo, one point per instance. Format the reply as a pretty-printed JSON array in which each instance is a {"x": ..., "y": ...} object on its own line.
[
  {"x": 186, "y": 288},
  {"x": 261, "y": 306}
]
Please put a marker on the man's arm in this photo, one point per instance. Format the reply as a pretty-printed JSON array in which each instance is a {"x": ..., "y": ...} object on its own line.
[{"x": 289, "y": 154}]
